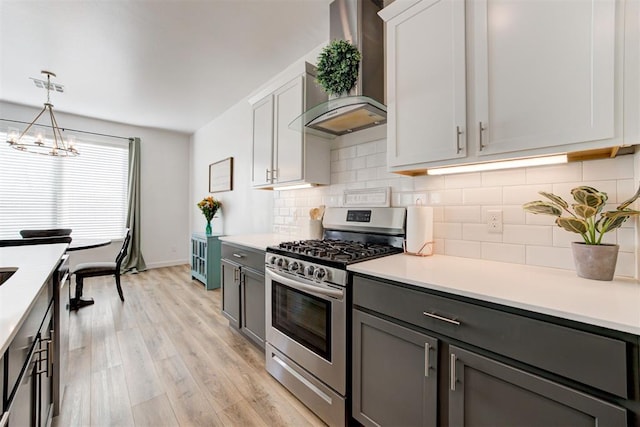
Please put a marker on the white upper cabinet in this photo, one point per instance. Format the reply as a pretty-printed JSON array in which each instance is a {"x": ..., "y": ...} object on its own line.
[
  {"x": 544, "y": 73},
  {"x": 288, "y": 101},
  {"x": 479, "y": 80},
  {"x": 284, "y": 156},
  {"x": 262, "y": 142},
  {"x": 426, "y": 90}
]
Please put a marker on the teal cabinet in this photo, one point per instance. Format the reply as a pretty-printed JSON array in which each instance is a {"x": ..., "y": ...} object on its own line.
[{"x": 205, "y": 259}]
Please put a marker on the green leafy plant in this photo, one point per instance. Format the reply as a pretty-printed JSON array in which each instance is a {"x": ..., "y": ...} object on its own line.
[
  {"x": 337, "y": 69},
  {"x": 584, "y": 219}
]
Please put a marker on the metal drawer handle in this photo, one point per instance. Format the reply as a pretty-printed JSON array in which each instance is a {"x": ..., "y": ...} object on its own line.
[
  {"x": 238, "y": 255},
  {"x": 444, "y": 319},
  {"x": 480, "y": 130},
  {"x": 458, "y": 133},
  {"x": 453, "y": 372}
]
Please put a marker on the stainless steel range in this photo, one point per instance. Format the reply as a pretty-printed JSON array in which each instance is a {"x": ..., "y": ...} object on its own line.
[{"x": 309, "y": 304}]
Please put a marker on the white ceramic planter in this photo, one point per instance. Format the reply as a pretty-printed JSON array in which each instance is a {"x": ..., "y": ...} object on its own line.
[{"x": 597, "y": 262}]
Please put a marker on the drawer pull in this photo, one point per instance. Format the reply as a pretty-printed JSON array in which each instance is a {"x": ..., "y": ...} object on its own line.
[
  {"x": 238, "y": 255},
  {"x": 444, "y": 319},
  {"x": 453, "y": 372}
]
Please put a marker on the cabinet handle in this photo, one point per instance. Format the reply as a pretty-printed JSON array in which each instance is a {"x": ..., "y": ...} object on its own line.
[
  {"x": 458, "y": 133},
  {"x": 274, "y": 174},
  {"x": 444, "y": 319},
  {"x": 267, "y": 178},
  {"x": 236, "y": 275},
  {"x": 481, "y": 129},
  {"x": 427, "y": 347},
  {"x": 238, "y": 255},
  {"x": 453, "y": 372}
]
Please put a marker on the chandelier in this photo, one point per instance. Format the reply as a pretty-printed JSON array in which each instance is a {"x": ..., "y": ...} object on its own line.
[{"x": 39, "y": 142}]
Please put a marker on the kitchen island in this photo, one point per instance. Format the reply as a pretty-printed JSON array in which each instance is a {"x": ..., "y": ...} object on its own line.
[
  {"x": 29, "y": 333},
  {"x": 17, "y": 295}
]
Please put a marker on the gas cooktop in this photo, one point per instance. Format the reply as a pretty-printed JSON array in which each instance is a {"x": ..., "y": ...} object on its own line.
[{"x": 333, "y": 252}]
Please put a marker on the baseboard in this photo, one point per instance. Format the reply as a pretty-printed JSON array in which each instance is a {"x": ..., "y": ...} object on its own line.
[{"x": 167, "y": 263}]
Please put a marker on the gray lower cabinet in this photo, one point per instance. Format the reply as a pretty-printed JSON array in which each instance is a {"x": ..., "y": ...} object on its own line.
[
  {"x": 392, "y": 363},
  {"x": 243, "y": 291},
  {"x": 230, "y": 279},
  {"x": 252, "y": 297},
  {"x": 28, "y": 366},
  {"x": 485, "y": 392},
  {"x": 422, "y": 358}
]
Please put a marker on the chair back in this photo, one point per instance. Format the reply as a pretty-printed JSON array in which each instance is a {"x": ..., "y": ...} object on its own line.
[
  {"x": 123, "y": 250},
  {"x": 50, "y": 232}
]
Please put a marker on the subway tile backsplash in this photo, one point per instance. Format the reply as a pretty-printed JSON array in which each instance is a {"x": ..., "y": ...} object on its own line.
[{"x": 461, "y": 203}]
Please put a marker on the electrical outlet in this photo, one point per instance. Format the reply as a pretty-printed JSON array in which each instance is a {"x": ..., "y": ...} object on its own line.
[{"x": 494, "y": 221}]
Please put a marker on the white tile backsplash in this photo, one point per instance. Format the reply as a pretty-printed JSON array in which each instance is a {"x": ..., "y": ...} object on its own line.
[
  {"x": 556, "y": 173},
  {"x": 461, "y": 203}
]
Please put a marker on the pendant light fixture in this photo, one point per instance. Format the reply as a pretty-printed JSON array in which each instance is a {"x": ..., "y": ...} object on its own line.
[{"x": 41, "y": 142}]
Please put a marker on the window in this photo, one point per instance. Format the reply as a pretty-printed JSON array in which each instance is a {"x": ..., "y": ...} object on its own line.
[{"x": 87, "y": 193}]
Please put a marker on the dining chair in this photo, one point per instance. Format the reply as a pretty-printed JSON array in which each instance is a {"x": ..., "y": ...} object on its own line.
[
  {"x": 49, "y": 232},
  {"x": 94, "y": 269}
]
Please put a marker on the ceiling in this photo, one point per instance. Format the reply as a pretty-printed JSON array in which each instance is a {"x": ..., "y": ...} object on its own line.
[{"x": 166, "y": 64}]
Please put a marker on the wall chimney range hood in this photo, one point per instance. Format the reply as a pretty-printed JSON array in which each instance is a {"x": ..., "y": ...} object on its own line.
[{"x": 356, "y": 21}]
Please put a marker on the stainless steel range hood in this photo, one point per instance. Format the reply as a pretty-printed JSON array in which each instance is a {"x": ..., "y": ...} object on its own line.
[{"x": 358, "y": 22}]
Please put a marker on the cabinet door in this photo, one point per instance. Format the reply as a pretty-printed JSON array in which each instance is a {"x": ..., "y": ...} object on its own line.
[
  {"x": 262, "y": 152},
  {"x": 253, "y": 305},
  {"x": 426, "y": 90},
  {"x": 485, "y": 392},
  {"x": 230, "y": 278},
  {"x": 288, "y": 104},
  {"x": 544, "y": 73},
  {"x": 395, "y": 373}
]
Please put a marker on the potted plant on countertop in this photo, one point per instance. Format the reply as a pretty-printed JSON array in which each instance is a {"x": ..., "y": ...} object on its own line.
[
  {"x": 209, "y": 206},
  {"x": 338, "y": 66},
  {"x": 593, "y": 259}
]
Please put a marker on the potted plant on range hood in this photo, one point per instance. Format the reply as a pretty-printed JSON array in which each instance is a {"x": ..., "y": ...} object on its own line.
[{"x": 593, "y": 259}]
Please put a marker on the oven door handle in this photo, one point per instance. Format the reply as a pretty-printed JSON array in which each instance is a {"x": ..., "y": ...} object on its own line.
[{"x": 334, "y": 293}]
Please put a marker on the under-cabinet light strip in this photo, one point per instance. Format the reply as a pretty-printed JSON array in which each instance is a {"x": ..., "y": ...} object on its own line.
[
  {"x": 506, "y": 164},
  {"x": 293, "y": 187}
]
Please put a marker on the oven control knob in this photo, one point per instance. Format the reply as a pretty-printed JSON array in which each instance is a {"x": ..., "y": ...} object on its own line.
[
  {"x": 309, "y": 270},
  {"x": 282, "y": 263},
  {"x": 294, "y": 266},
  {"x": 320, "y": 274},
  {"x": 272, "y": 260}
]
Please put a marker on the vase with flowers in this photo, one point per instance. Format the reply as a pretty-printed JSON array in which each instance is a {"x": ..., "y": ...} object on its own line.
[
  {"x": 593, "y": 258},
  {"x": 209, "y": 206}
]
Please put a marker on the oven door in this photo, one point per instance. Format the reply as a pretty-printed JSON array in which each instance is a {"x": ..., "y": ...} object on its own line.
[{"x": 306, "y": 321}]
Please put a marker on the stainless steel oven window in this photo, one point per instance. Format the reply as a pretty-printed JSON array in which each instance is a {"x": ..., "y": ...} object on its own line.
[{"x": 302, "y": 317}]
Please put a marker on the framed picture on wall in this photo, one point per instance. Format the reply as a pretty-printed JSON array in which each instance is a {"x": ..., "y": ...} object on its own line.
[{"x": 221, "y": 175}]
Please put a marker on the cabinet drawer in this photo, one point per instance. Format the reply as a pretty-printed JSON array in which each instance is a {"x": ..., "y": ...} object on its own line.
[
  {"x": 584, "y": 357},
  {"x": 247, "y": 257}
]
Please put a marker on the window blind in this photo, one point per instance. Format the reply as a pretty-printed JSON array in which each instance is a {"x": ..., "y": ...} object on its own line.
[{"x": 87, "y": 193}]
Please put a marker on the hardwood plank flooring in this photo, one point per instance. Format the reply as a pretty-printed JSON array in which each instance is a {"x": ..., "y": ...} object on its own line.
[{"x": 167, "y": 357}]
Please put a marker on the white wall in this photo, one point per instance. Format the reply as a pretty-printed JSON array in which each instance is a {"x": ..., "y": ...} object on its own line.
[
  {"x": 461, "y": 203},
  {"x": 164, "y": 184},
  {"x": 244, "y": 210}
]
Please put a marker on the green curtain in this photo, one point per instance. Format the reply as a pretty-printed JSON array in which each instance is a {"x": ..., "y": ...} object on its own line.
[{"x": 134, "y": 260}]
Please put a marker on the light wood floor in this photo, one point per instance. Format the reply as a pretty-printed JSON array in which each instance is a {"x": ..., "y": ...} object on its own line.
[{"x": 167, "y": 357}]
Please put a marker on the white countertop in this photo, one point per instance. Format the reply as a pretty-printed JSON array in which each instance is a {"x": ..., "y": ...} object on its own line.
[
  {"x": 35, "y": 264},
  {"x": 258, "y": 241},
  {"x": 614, "y": 305}
]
